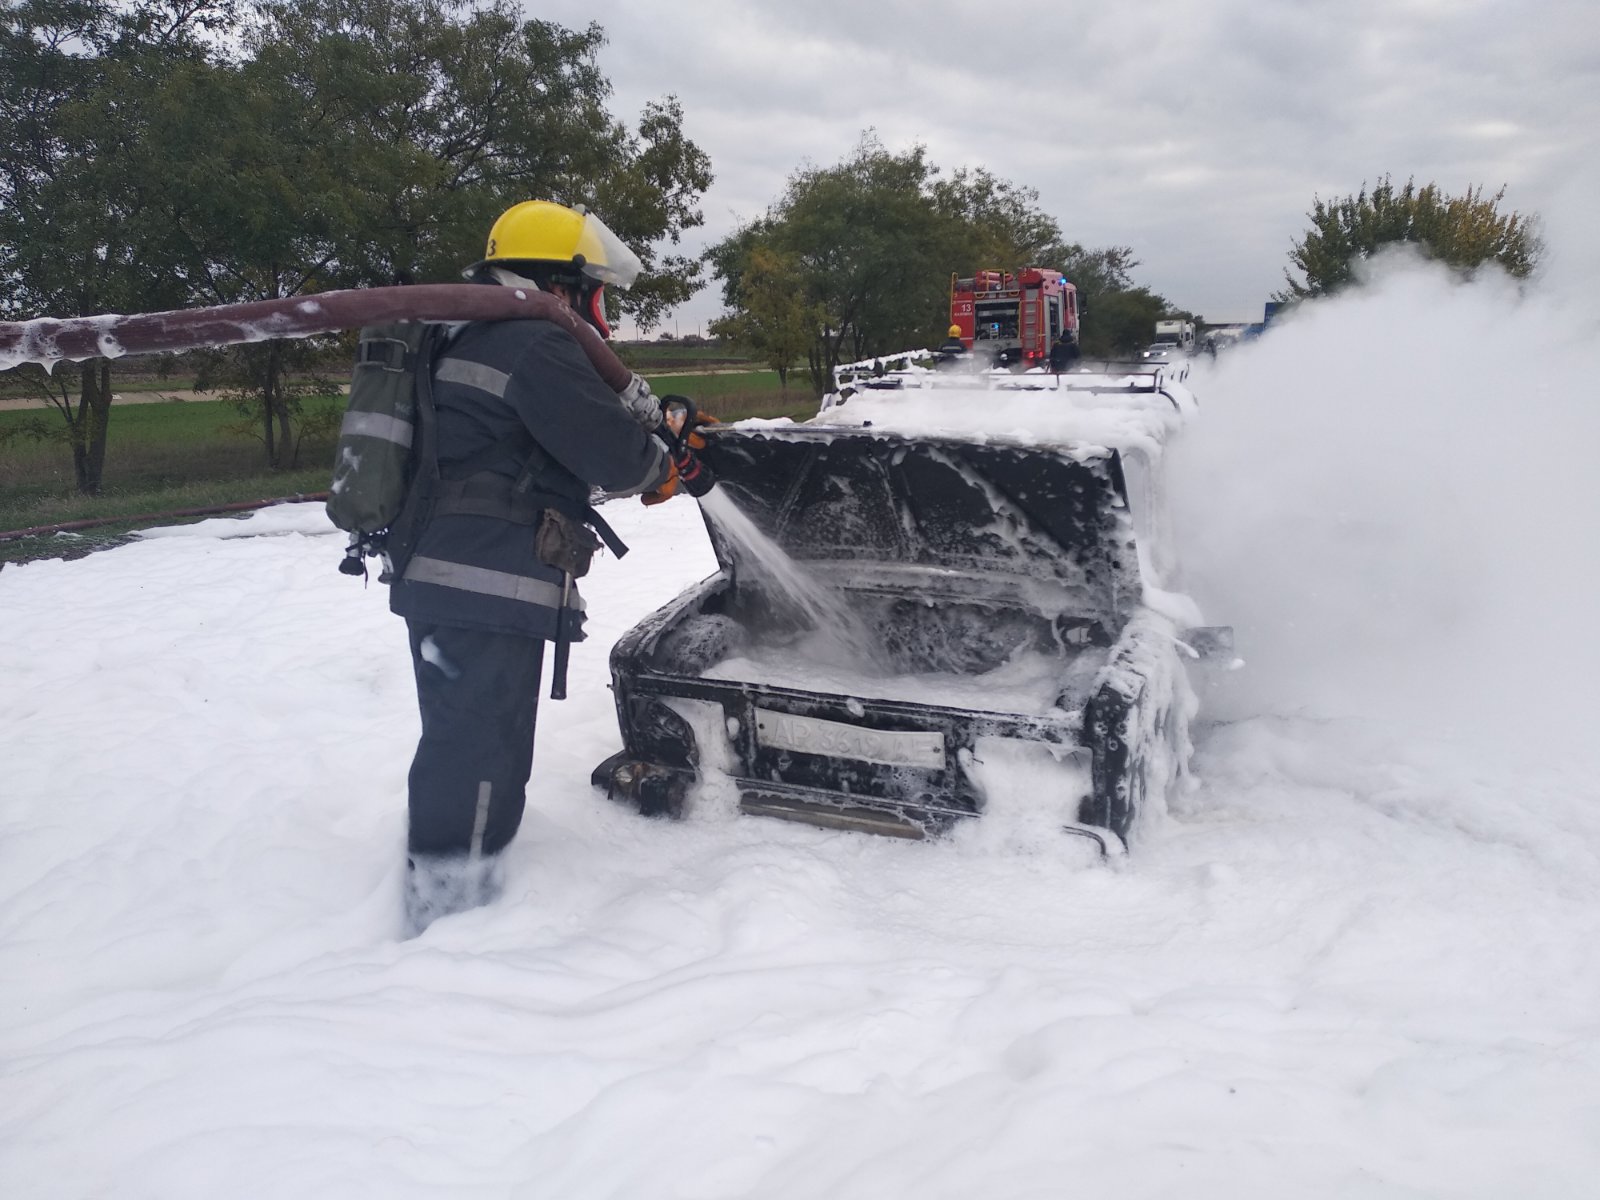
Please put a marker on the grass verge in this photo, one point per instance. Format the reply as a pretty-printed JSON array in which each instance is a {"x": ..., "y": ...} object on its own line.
[{"x": 179, "y": 455}]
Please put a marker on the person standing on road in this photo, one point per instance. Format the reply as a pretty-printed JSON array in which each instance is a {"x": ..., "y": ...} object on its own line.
[
  {"x": 1063, "y": 352},
  {"x": 525, "y": 430}
]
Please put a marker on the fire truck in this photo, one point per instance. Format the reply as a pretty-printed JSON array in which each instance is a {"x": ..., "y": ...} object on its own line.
[{"x": 1014, "y": 319}]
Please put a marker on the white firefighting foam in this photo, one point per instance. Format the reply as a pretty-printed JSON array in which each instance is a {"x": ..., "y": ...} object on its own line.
[{"x": 1354, "y": 961}]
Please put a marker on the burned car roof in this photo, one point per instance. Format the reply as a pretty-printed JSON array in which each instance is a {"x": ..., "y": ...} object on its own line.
[{"x": 1122, "y": 406}]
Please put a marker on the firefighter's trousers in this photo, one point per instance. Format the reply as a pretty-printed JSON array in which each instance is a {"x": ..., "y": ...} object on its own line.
[{"x": 478, "y": 693}]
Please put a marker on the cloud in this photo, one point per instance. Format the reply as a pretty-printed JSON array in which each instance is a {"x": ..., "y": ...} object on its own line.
[{"x": 1197, "y": 134}]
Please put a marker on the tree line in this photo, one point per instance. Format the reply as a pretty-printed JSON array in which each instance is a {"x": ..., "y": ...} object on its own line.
[
  {"x": 163, "y": 154},
  {"x": 1464, "y": 232},
  {"x": 855, "y": 260},
  {"x": 160, "y": 154}
]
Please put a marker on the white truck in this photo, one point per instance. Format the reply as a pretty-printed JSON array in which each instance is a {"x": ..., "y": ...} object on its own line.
[{"x": 1177, "y": 331}]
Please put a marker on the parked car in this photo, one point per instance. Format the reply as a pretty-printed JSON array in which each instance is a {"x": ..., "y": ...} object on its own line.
[{"x": 1001, "y": 588}]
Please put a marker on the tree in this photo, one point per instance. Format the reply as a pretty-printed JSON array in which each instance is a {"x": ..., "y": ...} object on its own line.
[
  {"x": 868, "y": 248},
  {"x": 1121, "y": 321},
  {"x": 873, "y": 242},
  {"x": 998, "y": 223},
  {"x": 81, "y": 223},
  {"x": 774, "y": 321},
  {"x": 264, "y": 204},
  {"x": 345, "y": 143},
  {"x": 375, "y": 142},
  {"x": 656, "y": 198},
  {"x": 1100, "y": 275},
  {"x": 1463, "y": 232},
  {"x": 444, "y": 113}
]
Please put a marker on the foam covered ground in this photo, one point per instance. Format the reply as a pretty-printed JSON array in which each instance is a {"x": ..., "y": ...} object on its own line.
[{"x": 1357, "y": 961}]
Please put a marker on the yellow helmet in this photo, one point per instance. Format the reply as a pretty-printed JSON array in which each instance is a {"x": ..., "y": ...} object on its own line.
[
  {"x": 955, "y": 331},
  {"x": 537, "y": 231}
]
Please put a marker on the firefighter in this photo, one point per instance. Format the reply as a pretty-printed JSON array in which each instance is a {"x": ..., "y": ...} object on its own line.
[
  {"x": 952, "y": 349},
  {"x": 525, "y": 430},
  {"x": 1063, "y": 352}
]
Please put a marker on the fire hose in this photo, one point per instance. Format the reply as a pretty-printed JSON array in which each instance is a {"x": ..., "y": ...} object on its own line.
[{"x": 47, "y": 341}]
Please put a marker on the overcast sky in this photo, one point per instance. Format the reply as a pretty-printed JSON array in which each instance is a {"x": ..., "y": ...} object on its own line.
[{"x": 1196, "y": 133}]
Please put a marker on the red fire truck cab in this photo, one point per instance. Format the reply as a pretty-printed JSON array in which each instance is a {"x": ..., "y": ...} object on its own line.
[{"x": 1014, "y": 318}]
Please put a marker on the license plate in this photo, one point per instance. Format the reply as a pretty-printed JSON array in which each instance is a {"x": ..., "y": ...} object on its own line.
[{"x": 835, "y": 739}]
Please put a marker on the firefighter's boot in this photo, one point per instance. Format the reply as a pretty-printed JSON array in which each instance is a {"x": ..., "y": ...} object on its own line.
[{"x": 438, "y": 885}]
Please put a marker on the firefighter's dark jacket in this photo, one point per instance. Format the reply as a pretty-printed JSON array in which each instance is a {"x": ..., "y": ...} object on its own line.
[{"x": 514, "y": 384}]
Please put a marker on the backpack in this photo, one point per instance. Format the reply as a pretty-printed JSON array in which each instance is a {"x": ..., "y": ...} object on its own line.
[
  {"x": 386, "y": 477},
  {"x": 386, "y": 445}
]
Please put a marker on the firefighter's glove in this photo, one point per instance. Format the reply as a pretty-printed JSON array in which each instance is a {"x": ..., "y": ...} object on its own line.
[
  {"x": 685, "y": 472},
  {"x": 695, "y": 439},
  {"x": 682, "y": 422},
  {"x": 693, "y": 474},
  {"x": 641, "y": 404},
  {"x": 667, "y": 490},
  {"x": 681, "y": 425},
  {"x": 669, "y": 487}
]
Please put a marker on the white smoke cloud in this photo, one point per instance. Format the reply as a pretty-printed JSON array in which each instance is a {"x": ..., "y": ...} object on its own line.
[{"x": 1392, "y": 497}]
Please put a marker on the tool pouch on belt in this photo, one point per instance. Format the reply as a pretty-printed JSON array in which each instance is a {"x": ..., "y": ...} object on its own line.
[{"x": 564, "y": 543}]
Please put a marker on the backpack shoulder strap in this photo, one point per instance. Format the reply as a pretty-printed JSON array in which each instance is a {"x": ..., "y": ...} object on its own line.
[{"x": 411, "y": 347}]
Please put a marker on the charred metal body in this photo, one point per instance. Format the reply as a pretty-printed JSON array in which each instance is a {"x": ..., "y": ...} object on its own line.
[{"x": 962, "y": 557}]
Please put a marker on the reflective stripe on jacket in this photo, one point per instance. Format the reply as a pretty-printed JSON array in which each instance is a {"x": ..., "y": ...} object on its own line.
[{"x": 521, "y": 385}]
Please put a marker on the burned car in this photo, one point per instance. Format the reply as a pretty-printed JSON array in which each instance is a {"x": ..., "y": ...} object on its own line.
[{"x": 981, "y": 598}]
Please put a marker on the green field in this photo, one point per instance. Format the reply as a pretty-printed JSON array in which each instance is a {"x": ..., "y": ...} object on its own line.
[
  {"x": 648, "y": 357},
  {"x": 172, "y": 455},
  {"x": 13, "y": 387}
]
